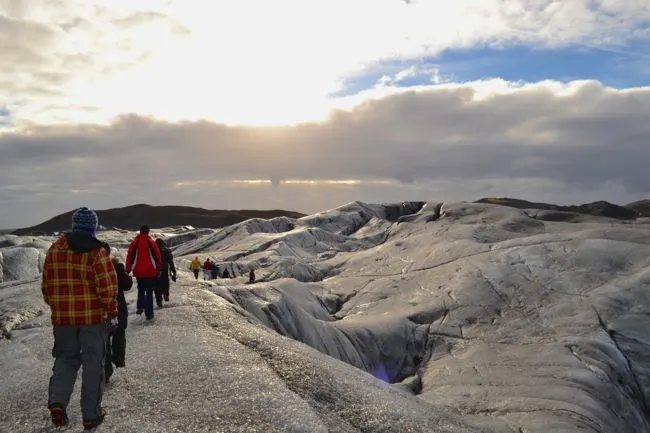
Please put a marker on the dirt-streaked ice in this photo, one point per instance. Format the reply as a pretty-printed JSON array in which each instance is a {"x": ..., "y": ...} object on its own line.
[{"x": 483, "y": 318}]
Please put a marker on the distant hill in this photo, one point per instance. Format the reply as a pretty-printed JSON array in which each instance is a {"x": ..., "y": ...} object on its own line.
[
  {"x": 641, "y": 207},
  {"x": 598, "y": 208},
  {"x": 132, "y": 217}
]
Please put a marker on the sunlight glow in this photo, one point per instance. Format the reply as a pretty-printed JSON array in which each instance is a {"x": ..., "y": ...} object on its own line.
[
  {"x": 336, "y": 182},
  {"x": 309, "y": 182},
  {"x": 261, "y": 62}
]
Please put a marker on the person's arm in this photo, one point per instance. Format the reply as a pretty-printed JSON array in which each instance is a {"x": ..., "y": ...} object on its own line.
[
  {"x": 44, "y": 279},
  {"x": 129, "y": 256},
  {"x": 157, "y": 256},
  {"x": 124, "y": 282},
  {"x": 172, "y": 267},
  {"x": 106, "y": 283}
]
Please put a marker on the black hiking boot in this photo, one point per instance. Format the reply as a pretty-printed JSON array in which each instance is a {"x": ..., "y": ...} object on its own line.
[
  {"x": 160, "y": 304},
  {"x": 91, "y": 424},
  {"x": 139, "y": 311},
  {"x": 58, "y": 415},
  {"x": 166, "y": 298}
]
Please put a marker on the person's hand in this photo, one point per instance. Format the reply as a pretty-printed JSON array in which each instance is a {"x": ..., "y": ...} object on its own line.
[
  {"x": 174, "y": 277},
  {"x": 158, "y": 274},
  {"x": 112, "y": 324}
]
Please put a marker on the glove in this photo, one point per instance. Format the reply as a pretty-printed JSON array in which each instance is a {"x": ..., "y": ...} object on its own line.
[
  {"x": 112, "y": 324},
  {"x": 174, "y": 277}
]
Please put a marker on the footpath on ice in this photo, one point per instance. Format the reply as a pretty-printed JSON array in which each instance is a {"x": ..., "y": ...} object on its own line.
[{"x": 202, "y": 367}]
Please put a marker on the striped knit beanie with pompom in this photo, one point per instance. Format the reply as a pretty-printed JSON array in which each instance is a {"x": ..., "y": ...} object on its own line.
[{"x": 86, "y": 220}]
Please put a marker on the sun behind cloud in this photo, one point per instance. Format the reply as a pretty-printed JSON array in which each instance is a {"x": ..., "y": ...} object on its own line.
[{"x": 310, "y": 104}]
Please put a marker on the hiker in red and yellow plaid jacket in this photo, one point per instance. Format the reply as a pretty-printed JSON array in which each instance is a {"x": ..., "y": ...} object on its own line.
[
  {"x": 79, "y": 281},
  {"x": 80, "y": 286}
]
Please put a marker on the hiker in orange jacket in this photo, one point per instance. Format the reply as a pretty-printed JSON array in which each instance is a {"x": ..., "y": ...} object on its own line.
[{"x": 196, "y": 267}]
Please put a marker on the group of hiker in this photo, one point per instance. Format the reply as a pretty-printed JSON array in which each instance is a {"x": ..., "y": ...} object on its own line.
[
  {"x": 84, "y": 287},
  {"x": 210, "y": 270}
]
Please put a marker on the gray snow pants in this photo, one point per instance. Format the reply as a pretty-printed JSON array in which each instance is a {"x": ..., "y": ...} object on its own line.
[{"x": 76, "y": 346}]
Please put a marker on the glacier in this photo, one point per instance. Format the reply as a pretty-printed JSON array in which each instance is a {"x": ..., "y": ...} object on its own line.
[{"x": 407, "y": 317}]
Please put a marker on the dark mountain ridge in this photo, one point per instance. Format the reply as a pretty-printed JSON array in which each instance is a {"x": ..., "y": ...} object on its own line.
[
  {"x": 132, "y": 217},
  {"x": 598, "y": 208},
  {"x": 641, "y": 207}
]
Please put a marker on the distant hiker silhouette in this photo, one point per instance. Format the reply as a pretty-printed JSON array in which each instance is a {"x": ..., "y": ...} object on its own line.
[
  {"x": 251, "y": 277},
  {"x": 80, "y": 286},
  {"x": 143, "y": 258},
  {"x": 214, "y": 271},
  {"x": 207, "y": 269},
  {"x": 196, "y": 267},
  {"x": 116, "y": 342},
  {"x": 168, "y": 270}
]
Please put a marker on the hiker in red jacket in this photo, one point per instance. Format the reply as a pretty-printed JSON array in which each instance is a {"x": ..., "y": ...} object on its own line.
[
  {"x": 143, "y": 258},
  {"x": 207, "y": 269}
]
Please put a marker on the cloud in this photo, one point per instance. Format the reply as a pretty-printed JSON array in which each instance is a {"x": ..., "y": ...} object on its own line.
[
  {"x": 448, "y": 140},
  {"x": 65, "y": 57},
  {"x": 126, "y": 101},
  {"x": 190, "y": 61}
]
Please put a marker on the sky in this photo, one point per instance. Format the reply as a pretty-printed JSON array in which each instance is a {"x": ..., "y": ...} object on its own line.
[{"x": 308, "y": 105}]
